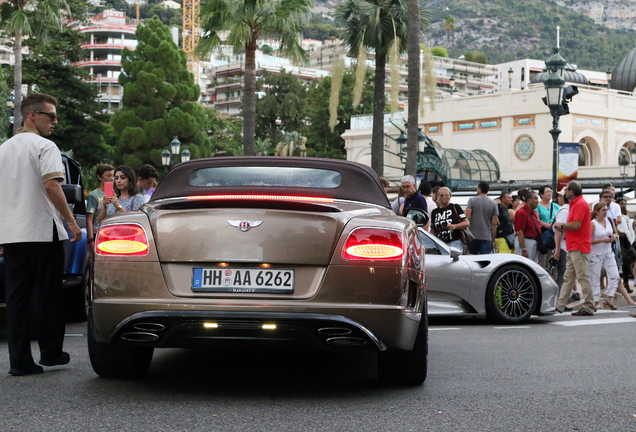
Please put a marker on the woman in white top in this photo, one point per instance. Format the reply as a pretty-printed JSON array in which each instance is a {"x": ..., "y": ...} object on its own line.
[{"x": 602, "y": 256}]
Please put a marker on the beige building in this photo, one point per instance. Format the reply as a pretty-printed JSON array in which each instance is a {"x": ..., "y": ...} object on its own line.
[{"x": 513, "y": 126}]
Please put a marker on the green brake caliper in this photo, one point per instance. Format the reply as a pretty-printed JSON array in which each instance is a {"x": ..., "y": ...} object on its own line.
[{"x": 498, "y": 299}]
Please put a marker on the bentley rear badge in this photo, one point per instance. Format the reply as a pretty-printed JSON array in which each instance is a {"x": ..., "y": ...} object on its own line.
[{"x": 244, "y": 225}]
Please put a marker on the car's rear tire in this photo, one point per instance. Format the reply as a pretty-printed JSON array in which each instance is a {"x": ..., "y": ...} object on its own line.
[
  {"x": 111, "y": 360},
  {"x": 511, "y": 296},
  {"x": 403, "y": 367}
]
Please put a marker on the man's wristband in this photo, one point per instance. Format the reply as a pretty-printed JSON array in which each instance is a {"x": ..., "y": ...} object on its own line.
[
  {"x": 71, "y": 222},
  {"x": 524, "y": 249}
]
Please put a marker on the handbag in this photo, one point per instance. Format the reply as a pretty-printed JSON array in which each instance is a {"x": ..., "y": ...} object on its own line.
[
  {"x": 467, "y": 236},
  {"x": 547, "y": 234},
  {"x": 541, "y": 248},
  {"x": 547, "y": 237}
]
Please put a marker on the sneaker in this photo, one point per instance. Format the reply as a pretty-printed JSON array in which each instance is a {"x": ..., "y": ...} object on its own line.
[{"x": 62, "y": 359}]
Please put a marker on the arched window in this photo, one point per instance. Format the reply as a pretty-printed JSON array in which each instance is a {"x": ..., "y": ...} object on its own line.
[{"x": 585, "y": 154}]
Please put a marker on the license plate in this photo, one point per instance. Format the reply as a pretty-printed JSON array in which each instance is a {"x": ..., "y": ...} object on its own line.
[{"x": 243, "y": 280}]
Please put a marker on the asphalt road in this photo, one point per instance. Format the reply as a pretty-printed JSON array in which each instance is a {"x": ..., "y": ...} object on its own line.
[{"x": 544, "y": 376}]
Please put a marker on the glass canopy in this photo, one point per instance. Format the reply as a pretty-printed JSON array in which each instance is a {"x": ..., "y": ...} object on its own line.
[{"x": 456, "y": 168}]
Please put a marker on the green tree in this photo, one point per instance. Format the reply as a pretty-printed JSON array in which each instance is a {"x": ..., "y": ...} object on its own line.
[
  {"x": 449, "y": 25},
  {"x": 247, "y": 21},
  {"x": 439, "y": 51},
  {"x": 159, "y": 102},
  {"x": 282, "y": 108},
  {"x": 374, "y": 24},
  {"x": 321, "y": 141},
  {"x": 50, "y": 69},
  {"x": 28, "y": 18},
  {"x": 224, "y": 132},
  {"x": 476, "y": 56}
]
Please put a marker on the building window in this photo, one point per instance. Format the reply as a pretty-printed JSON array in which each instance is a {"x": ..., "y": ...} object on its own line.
[{"x": 585, "y": 154}]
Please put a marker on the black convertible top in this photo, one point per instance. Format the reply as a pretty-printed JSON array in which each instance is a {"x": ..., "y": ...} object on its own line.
[{"x": 358, "y": 182}]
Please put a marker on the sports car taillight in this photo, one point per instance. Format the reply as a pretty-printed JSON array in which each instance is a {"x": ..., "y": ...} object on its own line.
[
  {"x": 374, "y": 244},
  {"x": 125, "y": 239}
]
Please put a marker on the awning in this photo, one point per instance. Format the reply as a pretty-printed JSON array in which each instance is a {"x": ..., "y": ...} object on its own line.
[{"x": 598, "y": 81}]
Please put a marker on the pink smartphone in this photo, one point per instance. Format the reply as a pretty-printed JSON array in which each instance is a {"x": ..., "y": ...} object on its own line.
[{"x": 108, "y": 189}]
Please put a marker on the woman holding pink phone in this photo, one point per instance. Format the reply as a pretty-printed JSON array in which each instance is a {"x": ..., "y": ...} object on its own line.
[
  {"x": 127, "y": 196},
  {"x": 104, "y": 174}
]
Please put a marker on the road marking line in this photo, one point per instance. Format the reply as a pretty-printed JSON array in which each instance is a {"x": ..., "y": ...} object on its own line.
[
  {"x": 595, "y": 322},
  {"x": 444, "y": 328},
  {"x": 73, "y": 335},
  {"x": 513, "y": 327}
]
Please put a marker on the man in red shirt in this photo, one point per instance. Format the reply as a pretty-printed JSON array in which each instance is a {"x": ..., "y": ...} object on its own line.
[
  {"x": 527, "y": 228},
  {"x": 578, "y": 239}
]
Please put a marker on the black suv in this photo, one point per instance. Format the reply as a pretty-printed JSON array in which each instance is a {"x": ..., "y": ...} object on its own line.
[{"x": 77, "y": 263}]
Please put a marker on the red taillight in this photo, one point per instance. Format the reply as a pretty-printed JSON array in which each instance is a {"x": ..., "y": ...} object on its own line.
[
  {"x": 374, "y": 244},
  {"x": 121, "y": 240},
  {"x": 260, "y": 197}
]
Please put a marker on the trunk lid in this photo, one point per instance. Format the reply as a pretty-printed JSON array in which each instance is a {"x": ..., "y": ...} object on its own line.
[{"x": 246, "y": 235}]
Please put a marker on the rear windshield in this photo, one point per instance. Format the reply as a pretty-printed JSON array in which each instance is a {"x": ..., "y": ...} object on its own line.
[{"x": 266, "y": 176}]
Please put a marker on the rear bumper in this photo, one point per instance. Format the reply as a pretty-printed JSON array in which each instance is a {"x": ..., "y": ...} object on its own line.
[
  {"x": 171, "y": 329},
  {"x": 332, "y": 328}
]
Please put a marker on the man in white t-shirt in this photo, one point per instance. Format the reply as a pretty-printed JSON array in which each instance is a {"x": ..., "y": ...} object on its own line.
[{"x": 31, "y": 232}]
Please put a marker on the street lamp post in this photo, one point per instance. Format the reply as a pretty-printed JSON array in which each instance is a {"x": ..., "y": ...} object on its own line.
[
  {"x": 608, "y": 74},
  {"x": 554, "y": 86},
  {"x": 510, "y": 74},
  {"x": 168, "y": 157},
  {"x": 402, "y": 140},
  {"x": 623, "y": 166}
]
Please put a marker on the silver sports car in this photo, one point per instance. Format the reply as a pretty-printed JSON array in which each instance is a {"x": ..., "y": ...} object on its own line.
[{"x": 506, "y": 288}]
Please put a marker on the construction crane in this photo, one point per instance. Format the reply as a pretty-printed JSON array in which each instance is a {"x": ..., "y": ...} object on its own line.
[{"x": 191, "y": 33}]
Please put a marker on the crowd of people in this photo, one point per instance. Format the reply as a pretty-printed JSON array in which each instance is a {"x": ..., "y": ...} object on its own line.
[{"x": 576, "y": 244}]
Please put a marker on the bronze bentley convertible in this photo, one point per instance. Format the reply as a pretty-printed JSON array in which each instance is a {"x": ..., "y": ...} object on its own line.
[{"x": 288, "y": 252}]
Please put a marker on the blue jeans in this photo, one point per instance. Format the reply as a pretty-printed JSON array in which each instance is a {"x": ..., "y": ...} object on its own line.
[{"x": 480, "y": 247}]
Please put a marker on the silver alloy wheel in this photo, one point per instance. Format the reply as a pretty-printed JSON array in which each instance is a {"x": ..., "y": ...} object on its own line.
[{"x": 514, "y": 293}]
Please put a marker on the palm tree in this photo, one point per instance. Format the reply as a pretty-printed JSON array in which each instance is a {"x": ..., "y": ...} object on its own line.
[
  {"x": 374, "y": 24},
  {"x": 415, "y": 32},
  {"x": 449, "y": 25},
  {"x": 28, "y": 18},
  {"x": 246, "y": 21}
]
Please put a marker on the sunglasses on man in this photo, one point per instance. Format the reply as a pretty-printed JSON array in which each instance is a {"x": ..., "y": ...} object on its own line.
[{"x": 51, "y": 115}]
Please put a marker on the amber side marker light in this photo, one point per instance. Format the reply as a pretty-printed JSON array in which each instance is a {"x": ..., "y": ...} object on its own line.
[
  {"x": 261, "y": 197},
  {"x": 374, "y": 244},
  {"x": 121, "y": 240}
]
